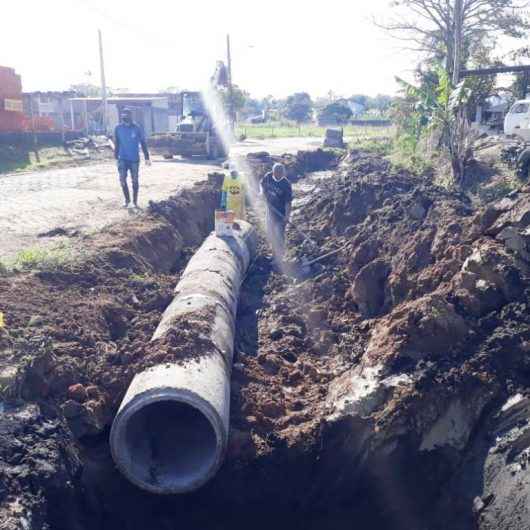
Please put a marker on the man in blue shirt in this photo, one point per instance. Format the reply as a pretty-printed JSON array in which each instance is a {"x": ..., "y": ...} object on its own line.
[{"x": 128, "y": 137}]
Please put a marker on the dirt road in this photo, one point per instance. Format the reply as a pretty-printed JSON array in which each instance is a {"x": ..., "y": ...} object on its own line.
[{"x": 84, "y": 199}]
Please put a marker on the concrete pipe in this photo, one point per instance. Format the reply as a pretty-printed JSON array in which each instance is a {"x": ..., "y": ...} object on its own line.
[{"x": 171, "y": 431}]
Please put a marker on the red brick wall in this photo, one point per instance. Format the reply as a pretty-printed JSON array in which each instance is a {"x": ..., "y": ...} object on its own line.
[{"x": 10, "y": 88}]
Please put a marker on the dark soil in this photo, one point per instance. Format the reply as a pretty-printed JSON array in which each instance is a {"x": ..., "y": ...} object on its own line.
[{"x": 365, "y": 394}]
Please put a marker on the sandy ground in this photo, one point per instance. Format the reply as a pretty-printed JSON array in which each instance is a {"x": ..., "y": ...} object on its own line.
[{"x": 84, "y": 199}]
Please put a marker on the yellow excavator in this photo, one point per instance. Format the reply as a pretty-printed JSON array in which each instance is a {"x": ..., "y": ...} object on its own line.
[{"x": 196, "y": 134}]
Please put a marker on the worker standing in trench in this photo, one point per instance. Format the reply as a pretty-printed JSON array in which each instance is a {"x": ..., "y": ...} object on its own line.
[
  {"x": 128, "y": 138},
  {"x": 278, "y": 194}
]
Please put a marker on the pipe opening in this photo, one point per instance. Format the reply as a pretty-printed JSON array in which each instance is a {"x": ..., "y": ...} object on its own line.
[{"x": 169, "y": 446}]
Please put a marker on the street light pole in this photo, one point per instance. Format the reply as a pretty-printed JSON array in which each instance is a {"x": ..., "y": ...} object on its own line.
[
  {"x": 230, "y": 88},
  {"x": 32, "y": 114},
  {"x": 88, "y": 85},
  {"x": 103, "y": 82}
]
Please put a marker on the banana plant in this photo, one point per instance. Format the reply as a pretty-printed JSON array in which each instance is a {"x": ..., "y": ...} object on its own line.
[{"x": 440, "y": 108}]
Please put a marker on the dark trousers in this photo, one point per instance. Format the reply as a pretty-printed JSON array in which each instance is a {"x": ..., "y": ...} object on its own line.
[
  {"x": 276, "y": 233},
  {"x": 124, "y": 167}
]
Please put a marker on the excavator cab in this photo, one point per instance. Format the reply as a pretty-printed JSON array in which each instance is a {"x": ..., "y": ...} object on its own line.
[
  {"x": 196, "y": 134},
  {"x": 192, "y": 104}
]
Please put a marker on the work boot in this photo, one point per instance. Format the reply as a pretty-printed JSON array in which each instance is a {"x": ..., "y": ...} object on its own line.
[
  {"x": 135, "y": 196},
  {"x": 125, "y": 190}
]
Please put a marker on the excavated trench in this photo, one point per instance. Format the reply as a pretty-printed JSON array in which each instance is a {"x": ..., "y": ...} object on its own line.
[{"x": 386, "y": 389}]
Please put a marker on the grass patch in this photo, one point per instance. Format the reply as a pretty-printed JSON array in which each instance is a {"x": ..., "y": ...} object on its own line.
[
  {"x": 140, "y": 278},
  {"x": 401, "y": 155},
  {"x": 15, "y": 159},
  {"x": 411, "y": 154},
  {"x": 44, "y": 259},
  {"x": 382, "y": 146},
  {"x": 261, "y": 131}
]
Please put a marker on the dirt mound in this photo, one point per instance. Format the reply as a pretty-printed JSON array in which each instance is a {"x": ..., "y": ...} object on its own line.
[
  {"x": 40, "y": 468},
  {"x": 386, "y": 362},
  {"x": 296, "y": 165},
  {"x": 433, "y": 285},
  {"x": 398, "y": 369},
  {"x": 74, "y": 338}
]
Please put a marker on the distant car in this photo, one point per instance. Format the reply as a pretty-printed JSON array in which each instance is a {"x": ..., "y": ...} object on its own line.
[{"x": 517, "y": 121}]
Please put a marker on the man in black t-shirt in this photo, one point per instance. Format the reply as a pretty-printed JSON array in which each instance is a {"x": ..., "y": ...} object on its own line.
[{"x": 278, "y": 193}]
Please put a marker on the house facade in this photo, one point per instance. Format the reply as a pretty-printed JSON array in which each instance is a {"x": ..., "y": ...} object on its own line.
[
  {"x": 49, "y": 110},
  {"x": 150, "y": 112},
  {"x": 11, "y": 108}
]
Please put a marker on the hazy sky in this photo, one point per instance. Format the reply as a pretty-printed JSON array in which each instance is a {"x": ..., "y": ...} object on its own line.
[{"x": 278, "y": 46}]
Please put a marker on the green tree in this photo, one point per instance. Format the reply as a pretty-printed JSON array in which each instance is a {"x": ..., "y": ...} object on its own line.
[
  {"x": 252, "y": 107},
  {"x": 429, "y": 26},
  {"x": 381, "y": 102},
  {"x": 438, "y": 109},
  {"x": 299, "y": 107},
  {"x": 238, "y": 98},
  {"x": 337, "y": 112},
  {"x": 360, "y": 99}
]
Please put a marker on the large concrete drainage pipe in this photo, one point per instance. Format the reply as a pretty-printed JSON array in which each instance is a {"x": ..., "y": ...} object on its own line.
[{"x": 171, "y": 431}]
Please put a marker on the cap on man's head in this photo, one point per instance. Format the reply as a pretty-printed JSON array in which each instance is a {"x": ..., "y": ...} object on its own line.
[{"x": 126, "y": 111}]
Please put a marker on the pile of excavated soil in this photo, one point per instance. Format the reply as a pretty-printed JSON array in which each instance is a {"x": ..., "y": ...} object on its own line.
[
  {"x": 362, "y": 388},
  {"x": 73, "y": 340},
  {"x": 296, "y": 166},
  {"x": 389, "y": 387},
  {"x": 428, "y": 303}
]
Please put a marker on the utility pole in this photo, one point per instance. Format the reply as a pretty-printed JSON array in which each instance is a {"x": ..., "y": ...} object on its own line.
[
  {"x": 32, "y": 115},
  {"x": 230, "y": 89},
  {"x": 61, "y": 107},
  {"x": 87, "y": 91},
  {"x": 103, "y": 82},
  {"x": 458, "y": 23},
  {"x": 87, "y": 130}
]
